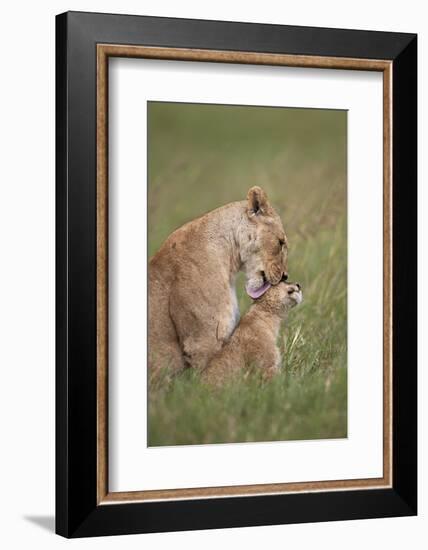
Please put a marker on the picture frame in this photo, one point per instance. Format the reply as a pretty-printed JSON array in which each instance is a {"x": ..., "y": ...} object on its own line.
[{"x": 84, "y": 44}]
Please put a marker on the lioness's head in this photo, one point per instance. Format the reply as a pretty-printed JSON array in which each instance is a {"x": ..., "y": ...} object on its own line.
[
  {"x": 282, "y": 297},
  {"x": 264, "y": 246}
]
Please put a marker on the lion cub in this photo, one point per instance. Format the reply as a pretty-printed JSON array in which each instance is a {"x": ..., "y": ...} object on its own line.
[{"x": 253, "y": 342}]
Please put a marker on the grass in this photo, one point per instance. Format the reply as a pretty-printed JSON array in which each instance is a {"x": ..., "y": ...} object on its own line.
[{"x": 201, "y": 157}]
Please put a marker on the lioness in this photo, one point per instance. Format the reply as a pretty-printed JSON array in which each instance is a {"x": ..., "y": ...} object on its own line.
[
  {"x": 253, "y": 344},
  {"x": 192, "y": 300}
]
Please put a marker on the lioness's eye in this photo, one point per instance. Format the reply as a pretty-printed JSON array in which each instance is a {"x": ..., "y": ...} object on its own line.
[{"x": 281, "y": 242}]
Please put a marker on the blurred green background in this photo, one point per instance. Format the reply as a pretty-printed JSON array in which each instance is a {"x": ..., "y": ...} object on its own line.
[{"x": 203, "y": 156}]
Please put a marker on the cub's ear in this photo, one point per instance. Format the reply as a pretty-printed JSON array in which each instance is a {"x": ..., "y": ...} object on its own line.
[{"x": 257, "y": 201}]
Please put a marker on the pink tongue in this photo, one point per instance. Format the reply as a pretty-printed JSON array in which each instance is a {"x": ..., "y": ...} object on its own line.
[{"x": 258, "y": 291}]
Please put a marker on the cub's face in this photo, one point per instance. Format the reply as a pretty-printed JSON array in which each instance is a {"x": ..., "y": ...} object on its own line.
[
  {"x": 264, "y": 246},
  {"x": 281, "y": 297},
  {"x": 288, "y": 294}
]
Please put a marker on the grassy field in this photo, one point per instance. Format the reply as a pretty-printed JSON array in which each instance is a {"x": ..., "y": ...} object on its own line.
[{"x": 203, "y": 156}]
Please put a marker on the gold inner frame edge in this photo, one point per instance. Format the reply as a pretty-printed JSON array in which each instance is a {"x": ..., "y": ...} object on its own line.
[{"x": 104, "y": 51}]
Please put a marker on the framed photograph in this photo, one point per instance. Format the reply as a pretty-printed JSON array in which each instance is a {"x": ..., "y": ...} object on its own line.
[{"x": 236, "y": 274}]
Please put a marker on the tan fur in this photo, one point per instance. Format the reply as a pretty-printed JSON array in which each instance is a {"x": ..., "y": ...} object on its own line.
[
  {"x": 253, "y": 344},
  {"x": 192, "y": 301}
]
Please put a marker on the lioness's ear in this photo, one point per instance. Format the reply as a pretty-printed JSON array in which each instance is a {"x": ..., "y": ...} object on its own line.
[{"x": 257, "y": 201}]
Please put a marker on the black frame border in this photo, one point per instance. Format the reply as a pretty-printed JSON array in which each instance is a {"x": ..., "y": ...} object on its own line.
[{"x": 77, "y": 513}]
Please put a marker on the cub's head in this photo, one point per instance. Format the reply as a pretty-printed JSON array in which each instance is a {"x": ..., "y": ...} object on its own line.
[
  {"x": 263, "y": 246},
  {"x": 282, "y": 297}
]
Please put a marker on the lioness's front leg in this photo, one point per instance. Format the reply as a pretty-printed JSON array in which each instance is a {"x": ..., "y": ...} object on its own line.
[
  {"x": 203, "y": 332},
  {"x": 202, "y": 345},
  {"x": 198, "y": 351}
]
